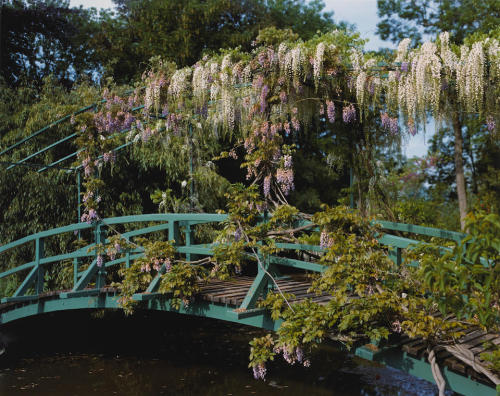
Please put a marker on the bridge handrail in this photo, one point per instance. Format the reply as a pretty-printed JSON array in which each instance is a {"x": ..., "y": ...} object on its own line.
[
  {"x": 421, "y": 230},
  {"x": 193, "y": 218},
  {"x": 396, "y": 242}
]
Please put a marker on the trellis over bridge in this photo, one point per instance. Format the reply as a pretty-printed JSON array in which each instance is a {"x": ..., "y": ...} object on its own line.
[{"x": 233, "y": 300}]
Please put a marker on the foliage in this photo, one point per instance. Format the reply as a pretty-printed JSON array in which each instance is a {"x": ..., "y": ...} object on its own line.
[
  {"x": 414, "y": 19},
  {"x": 183, "y": 31},
  {"x": 373, "y": 299},
  {"x": 493, "y": 358},
  {"x": 182, "y": 281},
  {"x": 42, "y": 38},
  {"x": 158, "y": 256},
  {"x": 282, "y": 109}
]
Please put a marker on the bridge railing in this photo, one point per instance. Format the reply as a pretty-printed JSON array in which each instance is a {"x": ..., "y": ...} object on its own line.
[
  {"x": 174, "y": 224},
  {"x": 179, "y": 227}
]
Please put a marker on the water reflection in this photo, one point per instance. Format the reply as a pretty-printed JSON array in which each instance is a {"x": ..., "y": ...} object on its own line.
[{"x": 153, "y": 353}]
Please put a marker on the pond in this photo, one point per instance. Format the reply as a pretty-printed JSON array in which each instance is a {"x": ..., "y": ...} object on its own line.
[{"x": 157, "y": 353}]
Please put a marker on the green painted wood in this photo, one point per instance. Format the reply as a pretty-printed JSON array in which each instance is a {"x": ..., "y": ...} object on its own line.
[
  {"x": 395, "y": 254},
  {"x": 193, "y": 218},
  {"x": 75, "y": 271},
  {"x": 188, "y": 238},
  {"x": 86, "y": 276},
  {"x": 80, "y": 293},
  {"x": 216, "y": 311},
  {"x": 420, "y": 230},
  {"x": 173, "y": 231},
  {"x": 145, "y": 230},
  {"x": 196, "y": 218},
  {"x": 51, "y": 165},
  {"x": 44, "y": 234},
  {"x": 30, "y": 297},
  {"x": 27, "y": 282},
  {"x": 299, "y": 246},
  {"x": 204, "y": 250},
  {"x": 293, "y": 263},
  {"x": 148, "y": 296},
  {"x": 79, "y": 199},
  {"x": 100, "y": 238},
  {"x": 56, "y": 305},
  {"x": 397, "y": 241},
  {"x": 39, "y": 254},
  {"x": 34, "y": 134},
  {"x": 255, "y": 291},
  {"x": 128, "y": 258},
  {"x": 248, "y": 313},
  {"x": 17, "y": 269},
  {"x": 42, "y": 150},
  {"x": 396, "y": 358}
]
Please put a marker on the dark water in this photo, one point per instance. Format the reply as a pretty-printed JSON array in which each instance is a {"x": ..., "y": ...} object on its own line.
[{"x": 76, "y": 353}]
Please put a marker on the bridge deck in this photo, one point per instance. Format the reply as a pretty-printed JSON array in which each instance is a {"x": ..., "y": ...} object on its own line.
[
  {"x": 232, "y": 292},
  {"x": 474, "y": 340}
]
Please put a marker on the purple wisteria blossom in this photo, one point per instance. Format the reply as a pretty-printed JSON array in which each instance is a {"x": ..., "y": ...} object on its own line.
[
  {"x": 267, "y": 185},
  {"x": 287, "y": 161},
  {"x": 284, "y": 177},
  {"x": 258, "y": 82},
  {"x": 283, "y": 97},
  {"x": 259, "y": 371},
  {"x": 263, "y": 97},
  {"x": 412, "y": 130},
  {"x": 286, "y": 127},
  {"x": 330, "y": 111},
  {"x": 490, "y": 124},
  {"x": 324, "y": 240},
  {"x": 349, "y": 113},
  {"x": 238, "y": 234}
]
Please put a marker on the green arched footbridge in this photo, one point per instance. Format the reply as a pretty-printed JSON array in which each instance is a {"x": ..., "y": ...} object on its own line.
[{"x": 234, "y": 300}]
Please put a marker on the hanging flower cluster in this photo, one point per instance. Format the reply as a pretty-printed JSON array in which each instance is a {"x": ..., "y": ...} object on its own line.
[
  {"x": 262, "y": 99},
  {"x": 99, "y": 133},
  {"x": 431, "y": 75}
]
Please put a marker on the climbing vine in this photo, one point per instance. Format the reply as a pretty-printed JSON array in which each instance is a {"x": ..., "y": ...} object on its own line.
[{"x": 258, "y": 102}]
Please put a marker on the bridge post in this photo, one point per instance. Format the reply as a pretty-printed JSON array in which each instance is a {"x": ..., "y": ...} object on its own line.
[
  {"x": 127, "y": 259},
  {"x": 173, "y": 231},
  {"x": 395, "y": 254},
  {"x": 39, "y": 254},
  {"x": 187, "y": 234},
  {"x": 100, "y": 237},
  {"x": 75, "y": 271}
]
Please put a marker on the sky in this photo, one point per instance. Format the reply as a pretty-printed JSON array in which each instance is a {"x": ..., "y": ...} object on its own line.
[{"x": 362, "y": 13}]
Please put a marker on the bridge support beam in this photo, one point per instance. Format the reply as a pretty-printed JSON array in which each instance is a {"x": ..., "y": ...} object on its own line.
[{"x": 394, "y": 357}]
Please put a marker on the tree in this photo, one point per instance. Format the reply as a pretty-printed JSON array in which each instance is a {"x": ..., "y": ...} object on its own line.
[
  {"x": 410, "y": 18},
  {"x": 462, "y": 19},
  {"x": 41, "y": 38},
  {"x": 182, "y": 31}
]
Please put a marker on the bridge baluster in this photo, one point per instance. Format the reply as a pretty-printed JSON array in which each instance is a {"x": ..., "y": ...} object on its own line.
[
  {"x": 127, "y": 259},
  {"x": 39, "y": 254},
  {"x": 173, "y": 231},
  {"x": 100, "y": 237},
  {"x": 187, "y": 233}
]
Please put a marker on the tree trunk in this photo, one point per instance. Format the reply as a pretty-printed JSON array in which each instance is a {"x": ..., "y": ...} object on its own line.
[{"x": 459, "y": 168}]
